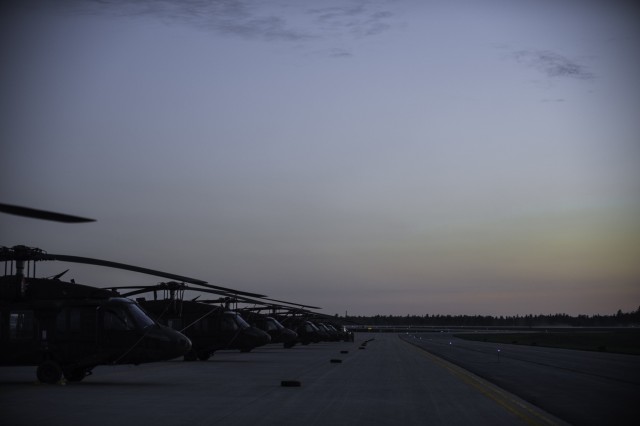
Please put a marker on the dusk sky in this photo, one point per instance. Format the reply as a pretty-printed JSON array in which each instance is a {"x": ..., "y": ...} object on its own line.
[{"x": 370, "y": 157}]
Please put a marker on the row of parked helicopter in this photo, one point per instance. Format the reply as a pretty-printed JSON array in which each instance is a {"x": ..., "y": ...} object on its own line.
[{"x": 67, "y": 329}]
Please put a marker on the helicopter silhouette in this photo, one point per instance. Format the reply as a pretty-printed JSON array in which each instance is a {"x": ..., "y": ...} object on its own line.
[
  {"x": 278, "y": 332},
  {"x": 290, "y": 323},
  {"x": 313, "y": 327},
  {"x": 210, "y": 327},
  {"x": 263, "y": 314},
  {"x": 67, "y": 329},
  {"x": 254, "y": 315}
]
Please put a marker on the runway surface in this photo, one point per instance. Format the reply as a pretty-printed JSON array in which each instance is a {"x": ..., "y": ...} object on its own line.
[
  {"x": 581, "y": 387},
  {"x": 388, "y": 382}
]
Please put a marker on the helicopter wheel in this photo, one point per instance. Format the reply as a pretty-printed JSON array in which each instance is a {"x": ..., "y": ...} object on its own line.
[
  {"x": 49, "y": 372},
  {"x": 203, "y": 356},
  {"x": 190, "y": 356},
  {"x": 245, "y": 350},
  {"x": 75, "y": 374}
]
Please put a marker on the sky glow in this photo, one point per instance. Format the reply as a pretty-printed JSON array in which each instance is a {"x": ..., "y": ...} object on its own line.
[{"x": 375, "y": 157}]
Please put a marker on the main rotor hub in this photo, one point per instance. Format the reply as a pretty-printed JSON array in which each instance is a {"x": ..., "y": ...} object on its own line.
[{"x": 22, "y": 254}]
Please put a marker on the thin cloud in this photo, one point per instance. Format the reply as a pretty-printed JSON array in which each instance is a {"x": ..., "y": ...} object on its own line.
[
  {"x": 357, "y": 20},
  {"x": 288, "y": 21},
  {"x": 333, "y": 14},
  {"x": 229, "y": 17},
  {"x": 268, "y": 28},
  {"x": 553, "y": 64}
]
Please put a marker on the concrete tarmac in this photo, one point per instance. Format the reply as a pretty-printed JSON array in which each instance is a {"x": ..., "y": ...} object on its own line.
[
  {"x": 581, "y": 387},
  {"x": 388, "y": 382}
]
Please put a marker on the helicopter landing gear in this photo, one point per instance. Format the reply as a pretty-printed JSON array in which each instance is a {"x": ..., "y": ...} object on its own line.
[
  {"x": 49, "y": 372},
  {"x": 75, "y": 374},
  {"x": 203, "y": 356},
  {"x": 190, "y": 356}
]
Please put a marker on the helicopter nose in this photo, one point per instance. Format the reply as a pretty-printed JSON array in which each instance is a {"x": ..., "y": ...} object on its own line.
[
  {"x": 178, "y": 342},
  {"x": 289, "y": 334},
  {"x": 184, "y": 344},
  {"x": 264, "y": 337},
  {"x": 260, "y": 337}
]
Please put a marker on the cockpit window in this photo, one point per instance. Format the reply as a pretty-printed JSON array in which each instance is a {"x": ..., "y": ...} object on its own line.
[
  {"x": 275, "y": 324},
  {"x": 271, "y": 326},
  {"x": 227, "y": 323},
  {"x": 241, "y": 322},
  {"x": 115, "y": 318},
  {"x": 139, "y": 316}
]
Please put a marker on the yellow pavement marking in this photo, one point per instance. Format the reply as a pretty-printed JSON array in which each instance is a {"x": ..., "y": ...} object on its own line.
[{"x": 523, "y": 410}]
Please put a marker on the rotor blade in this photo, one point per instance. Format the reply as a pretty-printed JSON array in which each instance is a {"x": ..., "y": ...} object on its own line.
[
  {"x": 230, "y": 290},
  {"x": 222, "y": 300},
  {"x": 268, "y": 305},
  {"x": 109, "y": 264},
  {"x": 42, "y": 214},
  {"x": 152, "y": 288},
  {"x": 208, "y": 288},
  {"x": 133, "y": 293},
  {"x": 168, "y": 286},
  {"x": 242, "y": 299},
  {"x": 124, "y": 287},
  {"x": 294, "y": 304}
]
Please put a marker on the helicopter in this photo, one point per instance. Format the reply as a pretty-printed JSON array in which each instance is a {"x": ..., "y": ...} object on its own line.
[
  {"x": 268, "y": 321},
  {"x": 309, "y": 327},
  {"x": 67, "y": 329},
  {"x": 288, "y": 323},
  {"x": 209, "y": 326},
  {"x": 278, "y": 332}
]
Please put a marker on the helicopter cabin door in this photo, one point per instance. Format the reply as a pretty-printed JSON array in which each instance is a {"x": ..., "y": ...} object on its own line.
[
  {"x": 118, "y": 334},
  {"x": 18, "y": 336},
  {"x": 75, "y": 338}
]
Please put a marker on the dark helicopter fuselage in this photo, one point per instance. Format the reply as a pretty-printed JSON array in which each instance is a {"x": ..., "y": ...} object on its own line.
[
  {"x": 273, "y": 327},
  {"x": 67, "y": 328},
  {"x": 306, "y": 330},
  {"x": 210, "y": 328}
]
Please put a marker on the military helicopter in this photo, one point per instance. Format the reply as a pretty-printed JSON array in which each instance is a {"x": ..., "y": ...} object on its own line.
[
  {"x": 278, "y": 332},
  {"x": 336, "y": 330},
  {"x": 67, "y": 329},
  {"x": 263, "y": 315},
  {"x": 313, "y": 327},
  {"x": 209, "y": 326},
  {"x": 285, "y": 322}
]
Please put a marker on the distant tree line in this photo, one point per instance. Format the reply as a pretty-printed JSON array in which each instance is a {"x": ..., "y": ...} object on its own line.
[{"x": 619, "y": 319}]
